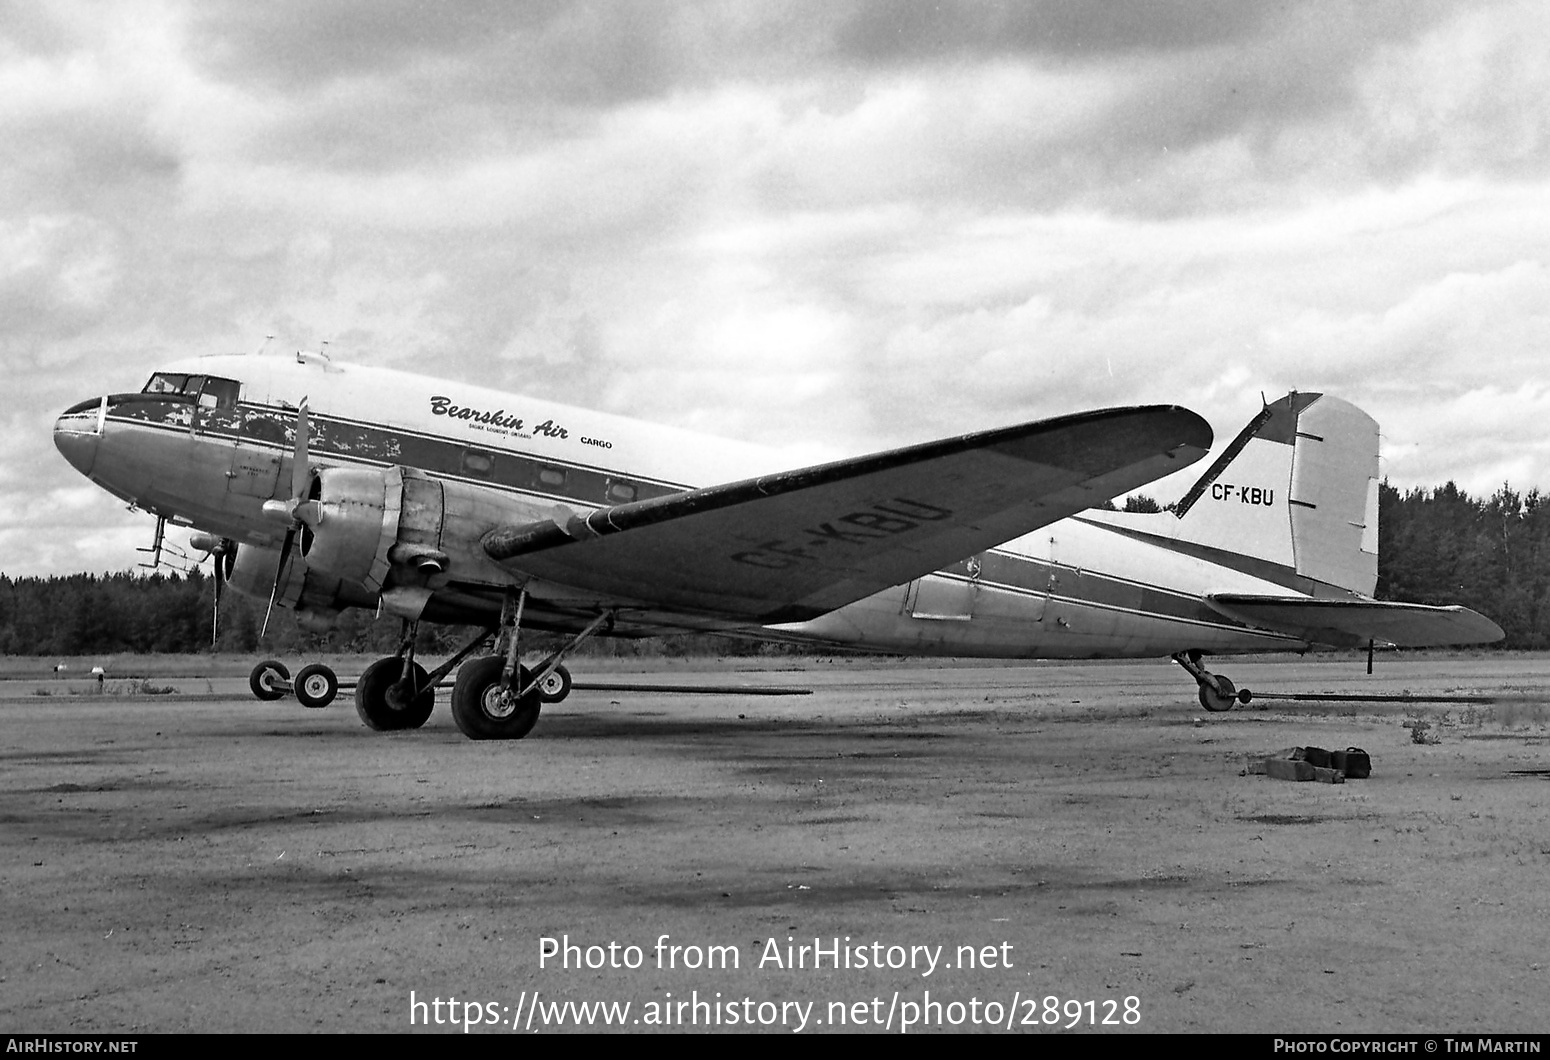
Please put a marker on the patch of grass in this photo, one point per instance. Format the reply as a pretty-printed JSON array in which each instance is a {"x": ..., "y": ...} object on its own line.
[{"x": 1521, "y": 713}]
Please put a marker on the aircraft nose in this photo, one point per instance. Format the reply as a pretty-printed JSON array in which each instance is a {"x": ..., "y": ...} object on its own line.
[{"x": 77, "y": 433}]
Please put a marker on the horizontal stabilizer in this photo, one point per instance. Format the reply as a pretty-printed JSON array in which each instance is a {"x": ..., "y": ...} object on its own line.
[
  {"x": 1352, "y": 623},
  {"x": 796, "y": 544}
]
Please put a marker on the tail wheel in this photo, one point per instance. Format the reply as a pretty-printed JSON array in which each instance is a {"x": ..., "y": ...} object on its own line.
[
  {"x": 268, "y": 680},
  {"x": 556, "y": 685},
  {"x": 486, "y": 709},
  {"x": 316, "y": 686},
  {"x": 1218, "y": 693},
  {"x": 387, "y": 703}
]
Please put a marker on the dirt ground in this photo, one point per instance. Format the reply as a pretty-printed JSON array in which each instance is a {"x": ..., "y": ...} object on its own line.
[{"x": 1021, "y": 842}]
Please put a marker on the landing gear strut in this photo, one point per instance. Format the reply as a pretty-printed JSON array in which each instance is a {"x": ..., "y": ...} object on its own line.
[{"x": 1217, "y": 693}]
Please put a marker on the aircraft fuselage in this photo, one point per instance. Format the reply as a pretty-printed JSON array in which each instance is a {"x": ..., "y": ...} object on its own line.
[{"x": 209, "y": 455}]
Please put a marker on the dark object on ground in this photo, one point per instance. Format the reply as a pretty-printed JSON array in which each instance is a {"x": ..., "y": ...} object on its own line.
[
  {"x": 1313, "y": 763},
  {"x": 1355, "y": 763}
]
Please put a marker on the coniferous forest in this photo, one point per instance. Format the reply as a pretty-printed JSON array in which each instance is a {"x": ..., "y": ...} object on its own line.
[{"x": 1438, "y": 546}]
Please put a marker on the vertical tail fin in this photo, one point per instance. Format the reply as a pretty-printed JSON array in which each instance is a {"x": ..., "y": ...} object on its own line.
[{"x": 1298, "y": 487}]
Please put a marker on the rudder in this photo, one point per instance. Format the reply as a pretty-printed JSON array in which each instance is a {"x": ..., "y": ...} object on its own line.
[{"x": 1298, "y": 487}]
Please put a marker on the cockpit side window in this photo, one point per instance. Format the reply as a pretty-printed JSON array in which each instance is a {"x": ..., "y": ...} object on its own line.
[{"x": 166, "y": 383}]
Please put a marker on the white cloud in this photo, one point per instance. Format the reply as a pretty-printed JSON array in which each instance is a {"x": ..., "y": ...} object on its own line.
[{"x": 837, "y": 236}]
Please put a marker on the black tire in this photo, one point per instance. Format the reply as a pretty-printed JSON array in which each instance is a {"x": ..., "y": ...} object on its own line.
[
  {"x": 484, "y": 710},
  {"x": 556, "y": 686},
  {"x": 315, "y": 686},
  {"x": 262, "y": 679},
  {"x": 384, "y": 705},
  {"x": 1219, "y": 695}
]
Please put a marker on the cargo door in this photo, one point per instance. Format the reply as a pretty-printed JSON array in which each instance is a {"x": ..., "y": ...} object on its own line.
[{"x": 947, "y": 596}]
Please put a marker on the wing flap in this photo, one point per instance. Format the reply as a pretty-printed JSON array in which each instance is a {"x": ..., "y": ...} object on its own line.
[
  {"x": 1352, "y": 623},
  {"x": 797, "y": 544}
]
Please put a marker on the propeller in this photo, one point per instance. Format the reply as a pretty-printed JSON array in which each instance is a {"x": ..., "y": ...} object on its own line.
[
  {"x": 224, "y": 551},
  {"x": 298, "y": 512}
]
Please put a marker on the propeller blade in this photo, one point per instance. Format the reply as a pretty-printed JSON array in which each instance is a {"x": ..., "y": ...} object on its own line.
[
  {"x": 296, "y": 511},
  {"x": 300, "y": 471},
  {"x": 223, "y": 555},
  {"x": 279, "y": 577}
]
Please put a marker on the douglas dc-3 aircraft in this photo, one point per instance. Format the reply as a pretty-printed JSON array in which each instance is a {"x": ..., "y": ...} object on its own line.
[{"x": 323, "y": 486}]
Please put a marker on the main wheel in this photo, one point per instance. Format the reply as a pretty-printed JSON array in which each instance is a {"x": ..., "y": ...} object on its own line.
[
  {"x": 386, "y": 703},
  {"x": 265, "y": 680},
  {"x": 555, "y": 686},
  {"x": 316, "y": 686},
  {"x": 1219, "y": 695},
  {"x": 484, "y": 709}
]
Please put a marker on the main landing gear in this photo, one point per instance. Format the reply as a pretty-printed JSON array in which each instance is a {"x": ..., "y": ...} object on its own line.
[
  {"x": 493, "y": 698},
  {"x": 1217, "y": 693},
  {"x": 397, "y": 692},
  {"x": 497, "y": 698}
]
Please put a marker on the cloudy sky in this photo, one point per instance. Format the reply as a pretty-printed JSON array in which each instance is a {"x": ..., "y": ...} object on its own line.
[{"x": 836, "y": 226}]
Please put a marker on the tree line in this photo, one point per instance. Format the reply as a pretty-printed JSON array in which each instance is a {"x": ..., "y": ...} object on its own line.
[
  {"x": 1442, "y": 546},
  {"x": 132, "y": 612},
  {"x": 1436, "y": 546}
]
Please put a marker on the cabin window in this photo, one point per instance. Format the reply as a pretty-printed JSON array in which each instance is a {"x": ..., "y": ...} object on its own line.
[
  {"x": 551, "y": 476},
  {"x": 621, "y": 492},
  {"x": 477, "y": 463}
]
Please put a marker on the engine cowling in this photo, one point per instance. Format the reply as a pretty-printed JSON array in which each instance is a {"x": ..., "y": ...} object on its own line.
[
  {"x": 357, "y": 523},
  {"x": 380, "y": 530},
  {"x": 396, "y": 535}
]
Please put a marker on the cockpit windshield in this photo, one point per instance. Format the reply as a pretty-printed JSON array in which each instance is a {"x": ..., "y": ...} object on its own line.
[{"x": 208, "y": 390}]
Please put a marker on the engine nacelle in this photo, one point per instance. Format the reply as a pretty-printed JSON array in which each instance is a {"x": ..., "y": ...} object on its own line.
[
  {"x": 397, "y": 535},
  {"x": 380, "y": 531}
]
